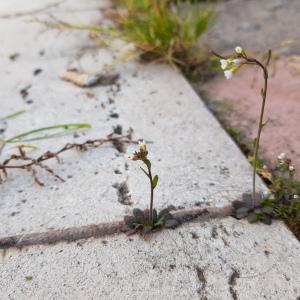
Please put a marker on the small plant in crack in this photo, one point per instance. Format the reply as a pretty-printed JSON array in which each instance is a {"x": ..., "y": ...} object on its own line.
[
  {"x": 259, "y": 211},
  {"x": 282, "y": 203},
  {"x": 147, "y": 220}
]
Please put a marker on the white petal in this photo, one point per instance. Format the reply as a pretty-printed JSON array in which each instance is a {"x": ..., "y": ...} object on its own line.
[
  {"x": 236, "y": 61},
  {"x": 228, "y": 74},
  {"x": 224, "y": 64}
]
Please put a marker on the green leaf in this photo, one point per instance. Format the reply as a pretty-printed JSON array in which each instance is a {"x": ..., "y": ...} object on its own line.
[
  {"x": 165, "y": 212},
  {"x": 144, "y": 171},
  {"x": 171, "y": 223},
  {"x": 252, "y": 218},
  {"x": 161, "y": 221},
  {"x": 267, "y": 220},
  {"x": 137, "y": 212},
  {"x": 241, "y": 213},
  {"x": 154, "y": 181},
  {"x": 147, "y": 229},
  {"x": 46, "y": 132},
  {"x": 254, "y": 142},
  {"x": 154, "y": 212},
  {"x": 267, "y": 210},
  {"x": 129, "y": 221}
]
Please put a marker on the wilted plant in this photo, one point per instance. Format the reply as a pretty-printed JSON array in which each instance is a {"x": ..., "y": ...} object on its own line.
[{"x": 148, "y": 220}]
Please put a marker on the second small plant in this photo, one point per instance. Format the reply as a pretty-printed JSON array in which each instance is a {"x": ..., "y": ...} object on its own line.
[{"x": 147, "y": 220}]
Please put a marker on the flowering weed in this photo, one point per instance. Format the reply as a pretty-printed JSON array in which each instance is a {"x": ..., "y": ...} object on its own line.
[{"x": 145, "y": 221}]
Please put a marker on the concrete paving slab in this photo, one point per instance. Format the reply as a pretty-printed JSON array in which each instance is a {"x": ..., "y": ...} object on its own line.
[
  {"x": 197, "y": 162},
  {"x": 222, "y": 259}
]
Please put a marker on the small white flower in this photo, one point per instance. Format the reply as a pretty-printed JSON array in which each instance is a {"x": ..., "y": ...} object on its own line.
[
  {"x": 236, "y": 61},
  {"x": 228, "y": 74},
  {"x": 238, "y": 50},
  {"x": 281, "y": 156},
  {"x": 291, "y": 168},
  {"x": 224, "y": 63},
  {"x": 142, "y": 145},
  {"x": 265, "y": 167},
  {"x": 296, "y": 197}
]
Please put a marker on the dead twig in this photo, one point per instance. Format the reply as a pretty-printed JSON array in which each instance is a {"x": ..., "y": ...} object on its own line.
[{"x": 31, "y": 165}]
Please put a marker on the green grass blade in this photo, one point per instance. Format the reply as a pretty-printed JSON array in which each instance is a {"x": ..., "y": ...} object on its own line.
[
  {"x": 13, "y": 115},
  {"x": 46, "y": 133}
]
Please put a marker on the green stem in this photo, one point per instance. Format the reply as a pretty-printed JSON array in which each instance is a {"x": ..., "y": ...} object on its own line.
[
  {"x": 152, "y": 192},
  {"x": 260, "y": 127}
]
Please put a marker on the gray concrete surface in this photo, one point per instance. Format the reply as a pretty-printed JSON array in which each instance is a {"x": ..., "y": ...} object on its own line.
[
  {"x": 196, "y": 161},
  {"x": 218, "y": 260}
]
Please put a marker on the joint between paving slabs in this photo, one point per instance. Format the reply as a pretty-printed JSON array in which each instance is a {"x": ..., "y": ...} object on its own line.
[{"x": 104, "y": 229}]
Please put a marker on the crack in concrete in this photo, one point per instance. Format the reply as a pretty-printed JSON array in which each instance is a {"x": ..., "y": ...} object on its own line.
[
  {"x": 232, "y": 282},
  {"x": 103, "y": 229},
  {"x": 3, "y": 128},
  {"x": 202, "y": 280},
  {"x": 31, "y": 12}
]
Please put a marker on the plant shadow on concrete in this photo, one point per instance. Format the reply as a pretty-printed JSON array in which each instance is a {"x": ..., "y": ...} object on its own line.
[{"x": 148, "y": 220}]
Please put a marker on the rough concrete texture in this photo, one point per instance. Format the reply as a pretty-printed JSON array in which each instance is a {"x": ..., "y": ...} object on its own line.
[
  {"x": 224, "y": 260},
  {"x": 197, "y": 162}
]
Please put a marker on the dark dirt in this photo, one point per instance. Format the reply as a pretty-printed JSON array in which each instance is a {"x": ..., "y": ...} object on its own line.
[
  {"x": 123, "y": 192},
  {"x": 232, "y": 282}
]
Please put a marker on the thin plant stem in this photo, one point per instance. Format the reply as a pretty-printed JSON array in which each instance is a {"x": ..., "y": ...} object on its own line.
[
  {"x": 261, "y": 124},
  {"x": 261, "y": 116},
  {"x": 260, "y": 127},
  {"x": 152, "y": 192}
]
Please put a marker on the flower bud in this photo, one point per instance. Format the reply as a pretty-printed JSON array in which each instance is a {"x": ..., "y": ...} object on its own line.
[
  {"x": 291, "y": 168},
  {"x": 281, "y": 156},
  {"x": 143, "y": 146},
  {"x": 238, "y": 50}
]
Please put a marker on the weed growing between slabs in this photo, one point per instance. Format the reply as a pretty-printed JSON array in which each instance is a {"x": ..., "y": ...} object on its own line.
[
  {"x": 145, "y": 221},
  {"x": 284, "y": 201}
]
